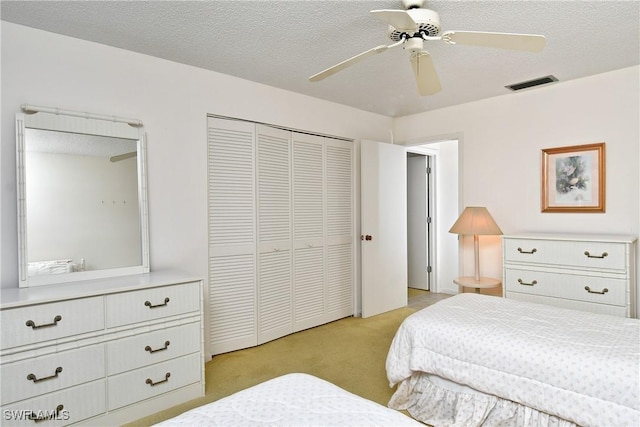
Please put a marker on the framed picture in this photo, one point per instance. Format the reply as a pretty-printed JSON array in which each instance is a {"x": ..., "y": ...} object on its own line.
[{"x": 573, "y": 178}]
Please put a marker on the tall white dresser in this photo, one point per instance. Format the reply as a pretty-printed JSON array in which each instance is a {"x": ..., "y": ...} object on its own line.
[
  {"x": 594, "y": 273},
  {"x": 100, "y": 352}
]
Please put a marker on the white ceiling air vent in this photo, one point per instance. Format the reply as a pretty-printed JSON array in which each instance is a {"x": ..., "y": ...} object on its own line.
[{"x": 530, "y": 83}]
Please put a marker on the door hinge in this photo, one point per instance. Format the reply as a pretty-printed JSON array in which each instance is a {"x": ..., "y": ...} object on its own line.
[
  {"x": 429, "y": 269},
  {"x": 428, "y": 169},
  {"x": 428, "y": 220}
]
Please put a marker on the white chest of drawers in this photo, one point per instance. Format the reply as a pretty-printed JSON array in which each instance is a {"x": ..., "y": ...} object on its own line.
[
  {"x": 100, "y": 352},
  {"x": 592, "y": 272}
]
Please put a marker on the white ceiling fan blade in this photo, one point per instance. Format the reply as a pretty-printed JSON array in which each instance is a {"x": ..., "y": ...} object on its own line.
[
  {"x": 528, "y": 42},
  {"x": 425, "y": 72},
  {"x": 348, "y": 62},
  {"x": 398, "y": 19},
  {"x": 124, "y": 156}
]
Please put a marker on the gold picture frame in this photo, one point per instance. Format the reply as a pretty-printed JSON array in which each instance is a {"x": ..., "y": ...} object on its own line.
[{"x": 573, "y": 178}]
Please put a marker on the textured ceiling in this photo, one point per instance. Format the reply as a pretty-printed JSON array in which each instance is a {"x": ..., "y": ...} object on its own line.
[{"x": 282, "y": 43}]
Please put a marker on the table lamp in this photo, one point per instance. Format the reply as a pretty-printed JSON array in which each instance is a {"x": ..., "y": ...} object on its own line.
[{"x": 477, "y": 221}]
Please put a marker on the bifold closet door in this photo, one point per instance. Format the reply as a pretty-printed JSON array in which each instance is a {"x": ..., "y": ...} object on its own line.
[
  {"x": 232, "y": 245},
  {"x": 309, "y": 251},
  {"x": 280, "y": 207},
  {"x": 275, "y": 294},
  {"x": 339, "y": 229}
]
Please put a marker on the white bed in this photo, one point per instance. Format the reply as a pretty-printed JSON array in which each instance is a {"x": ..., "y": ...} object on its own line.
[
  {"x": 292, "y": 400},
  {"x": 481, "y": 360}
]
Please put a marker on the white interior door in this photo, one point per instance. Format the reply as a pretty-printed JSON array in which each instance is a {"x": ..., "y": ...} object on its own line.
[{"x": 383, "y": 227}]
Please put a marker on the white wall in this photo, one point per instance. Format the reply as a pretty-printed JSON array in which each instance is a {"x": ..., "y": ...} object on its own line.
[
  {"x": 172, "y": 100},
  {"x": 447, "y": 184},
  {"x": 503, "y": 138}
]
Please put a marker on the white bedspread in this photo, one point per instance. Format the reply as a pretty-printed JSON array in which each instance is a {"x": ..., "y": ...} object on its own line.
[
  {"x": 292, "y": 400},
  {"x": 578, "y": 366}
]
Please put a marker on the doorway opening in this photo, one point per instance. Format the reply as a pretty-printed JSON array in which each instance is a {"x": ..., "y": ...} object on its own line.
[
  {"x": 419, "y": 220},
  {"x": 432, "y": 207}
]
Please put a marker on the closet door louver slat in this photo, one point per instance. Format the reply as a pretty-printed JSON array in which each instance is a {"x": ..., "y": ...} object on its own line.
[
  {"x": 274, "y": 295},
  {"x": 232, "y": 301},
  {"x": 274, "y": 205},
  {"x": 340, "y": 280},
  {"x": 308, "y": 194},
  {"x": 231, "y": 195},
  {"x": 339, "y": 190},
  {"x": 309, "y": 294}
]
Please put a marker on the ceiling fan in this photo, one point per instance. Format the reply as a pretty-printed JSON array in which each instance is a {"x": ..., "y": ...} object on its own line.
[{"x": 415, "y": 25}]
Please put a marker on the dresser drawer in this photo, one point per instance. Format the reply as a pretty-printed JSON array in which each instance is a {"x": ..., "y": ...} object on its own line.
[
  {"x": 580, "y": 254},
  {"x": 46, "y": 374},
  {"x": 611, "y": 310},
  {"x": 146, "y": 349},
  {"x": 568, "y": 286},
  {"x": 61, "y": 408},
  {"x": 44, "y": 322},
  {"x": 150, "y": 304},
  {"x": 133, "y": 386}
]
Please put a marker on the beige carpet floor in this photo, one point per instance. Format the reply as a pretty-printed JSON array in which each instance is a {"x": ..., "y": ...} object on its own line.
[{"x": 350, "y": 353}]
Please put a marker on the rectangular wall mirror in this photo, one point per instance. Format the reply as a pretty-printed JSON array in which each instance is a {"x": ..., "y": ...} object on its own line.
[{"x": 82, "y": 200}]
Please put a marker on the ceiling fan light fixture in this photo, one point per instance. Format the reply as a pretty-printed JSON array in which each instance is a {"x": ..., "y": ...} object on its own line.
[
  {"x": 414, "y": 44},
  {"x": 531, "y": 83}
]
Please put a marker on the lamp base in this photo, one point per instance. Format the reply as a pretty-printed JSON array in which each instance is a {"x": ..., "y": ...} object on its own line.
[{"x": 482, "y": 283}]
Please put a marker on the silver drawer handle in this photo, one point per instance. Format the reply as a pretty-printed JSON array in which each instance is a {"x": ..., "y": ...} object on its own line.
[
  {"x": 32, "y": 377},
  {"x": 151, "y": 383},
  {"x": 151, "y": 350},
  {"x": 535, "y": 282},
  {"x": 51, "y": 416},
  {"x": 532, "y": 251},
  {"x": 588, "y": 289},
  {"x": 32, "y": 324},
  {"x": 604, "y": 254},
  {"x": 148, "y": 303}
]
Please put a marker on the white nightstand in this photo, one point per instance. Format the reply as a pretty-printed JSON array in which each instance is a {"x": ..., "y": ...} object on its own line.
[{"x": 470, "y": 282}]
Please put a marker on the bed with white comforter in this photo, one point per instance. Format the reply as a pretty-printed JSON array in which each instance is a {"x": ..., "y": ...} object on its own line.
[
  {"x": 292, "y": 400},
  {"x": 481, "y": 360}
]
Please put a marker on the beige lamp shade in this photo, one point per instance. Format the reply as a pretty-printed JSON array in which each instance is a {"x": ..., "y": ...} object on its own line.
[{"x": 475, "y": 220}]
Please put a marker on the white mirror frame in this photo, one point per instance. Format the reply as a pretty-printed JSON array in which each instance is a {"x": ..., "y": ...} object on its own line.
[{"x": 84, "y": 123}]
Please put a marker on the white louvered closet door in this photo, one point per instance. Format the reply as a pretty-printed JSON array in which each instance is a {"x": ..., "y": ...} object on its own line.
[
  {"x": 275, "y": 296},
  {"x": 339, "y": 228},
  {"x": 309, "y": 290},
  {"x": 232, "y": 245}
]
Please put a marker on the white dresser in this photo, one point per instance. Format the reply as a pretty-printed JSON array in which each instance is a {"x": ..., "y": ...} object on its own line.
[
  {"x": 100, "y": 352},
  {"x": 585, "y": 272}
]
